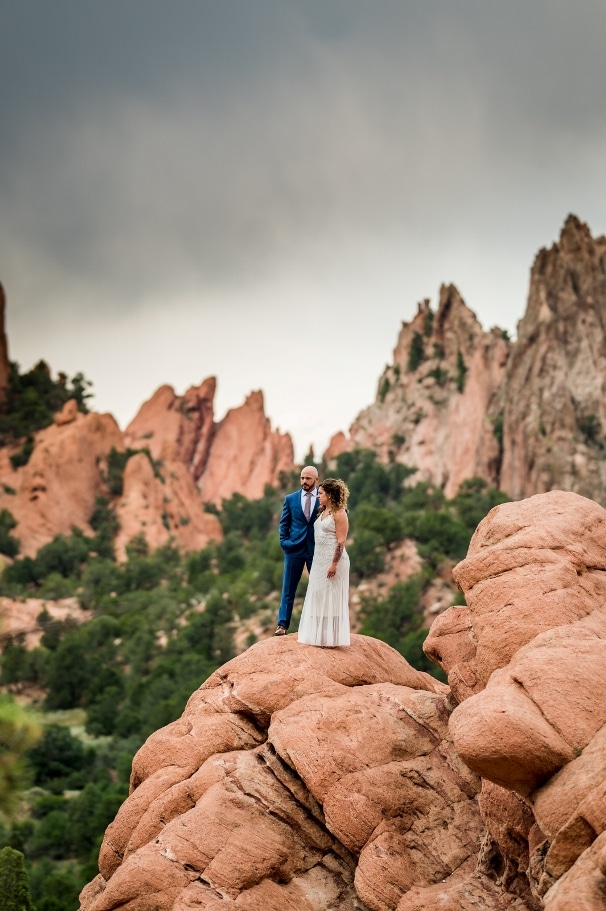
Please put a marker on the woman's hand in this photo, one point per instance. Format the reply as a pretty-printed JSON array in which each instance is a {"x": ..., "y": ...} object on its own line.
[{"x": 332, "y": 569}]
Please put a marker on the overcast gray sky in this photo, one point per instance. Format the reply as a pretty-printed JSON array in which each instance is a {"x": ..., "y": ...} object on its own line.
[{"x": 264, "y": 189}]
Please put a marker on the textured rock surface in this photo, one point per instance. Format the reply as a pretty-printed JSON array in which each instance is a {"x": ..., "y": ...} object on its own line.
[
  {"x": 246, "y": 454},
  {"x": 197, "y": 461},
  {"x": 528, "y": 416},
  {"x": 163, "y": 506},
  {"x": 313, "y": 779},
  {"x": 554, "y": 395},
  {"x": 532, "y": 566},
  {"x": 528, "y": 664},
  {"x": 19, "y": 618},
  {"x": 66, "y": 472},
  {"x": 190, "y": 459},
  {"x": 176, "y": 428},
  {"x": 240, "y": 454},
  {"x": 432, "y": 406},
  {"x": 299, "y": 778}
]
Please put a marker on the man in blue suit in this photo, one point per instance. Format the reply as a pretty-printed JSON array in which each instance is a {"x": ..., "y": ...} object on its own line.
[{"x": 297, "y": 540}]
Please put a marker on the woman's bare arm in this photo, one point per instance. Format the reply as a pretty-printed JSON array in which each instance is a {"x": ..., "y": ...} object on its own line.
[{"x": 341, "y": 529}]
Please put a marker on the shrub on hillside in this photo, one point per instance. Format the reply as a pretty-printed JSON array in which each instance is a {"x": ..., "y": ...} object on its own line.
[
  {"x": 9, "y": 545},
  {"x": 33, "y": 398}
]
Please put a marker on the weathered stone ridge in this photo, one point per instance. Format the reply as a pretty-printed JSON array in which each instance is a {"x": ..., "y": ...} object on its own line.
[
  {"x": 527, "y": 661},
  {"x": 296, "y": 777},
  {"x": 239, "y": 454},
  {"x": 321, "y": 779},
  {"x": 56, "y": 490},
  {"x": 527, "y": 416},
  {"x": 432, "y": 410},
  {"x": 554, "y": 395},
  {"x": 183, "y": 459}
]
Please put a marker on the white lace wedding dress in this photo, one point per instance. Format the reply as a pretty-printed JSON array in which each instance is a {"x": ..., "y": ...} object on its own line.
[{"x": 325, "y": 617}]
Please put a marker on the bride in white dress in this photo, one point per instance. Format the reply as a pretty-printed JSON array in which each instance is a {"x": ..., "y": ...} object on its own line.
[{"x": 325, "y": 617}]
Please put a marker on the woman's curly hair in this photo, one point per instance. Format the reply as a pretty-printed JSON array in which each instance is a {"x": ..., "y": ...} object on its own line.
[{"x": 337, "y": 492}]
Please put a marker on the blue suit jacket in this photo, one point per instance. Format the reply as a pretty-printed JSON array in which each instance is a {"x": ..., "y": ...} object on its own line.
[{"x": 296, "y": 533}]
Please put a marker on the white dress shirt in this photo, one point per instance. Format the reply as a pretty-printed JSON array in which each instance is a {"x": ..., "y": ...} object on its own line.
[{"x": 314, "y": 494}]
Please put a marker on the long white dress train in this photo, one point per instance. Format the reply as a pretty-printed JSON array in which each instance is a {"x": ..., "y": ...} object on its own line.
[{"x": 325, "y": 617}]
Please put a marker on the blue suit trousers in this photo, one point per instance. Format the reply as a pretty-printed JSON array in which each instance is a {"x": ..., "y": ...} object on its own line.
[{"x": 293, "y": 570}]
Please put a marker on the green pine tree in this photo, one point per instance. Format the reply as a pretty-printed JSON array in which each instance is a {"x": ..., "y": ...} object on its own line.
[{"x": 14, "y": 884}]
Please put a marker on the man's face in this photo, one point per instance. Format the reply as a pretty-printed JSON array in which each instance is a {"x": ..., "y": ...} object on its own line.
[{"x": 308, "y": 479}]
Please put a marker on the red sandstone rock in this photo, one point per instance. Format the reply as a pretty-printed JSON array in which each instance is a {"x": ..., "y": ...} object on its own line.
[
  {"x": 163, "y": 507},
  {"x": 246, "y": 454},
  {"x": 68, "y": 413},
  {"x": 258, "y": 797},
  {"x": 451, "y": 644},
  {"x": 435, "y": 415},
  {"x": 533, "y": 581},
  {"x": 19, "y": 618},
  {"x": 176, "y": 428},
  {"x": 582, "y": 888},
  {"x": 554, "y": 391},
  {"x": 509, "y": 820},
  {"x": 240, "y": 454},
  {"x": 314, "y": 778},
  {"x": 57, "y": 488},
  {"x": 532, "y": 566},
  {"x": 338, "y": 444}
]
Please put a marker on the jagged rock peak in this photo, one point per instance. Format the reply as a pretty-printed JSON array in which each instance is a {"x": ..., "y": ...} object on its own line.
[
  {"x": 433, "y": 401},
  {"x": 246, "y": 454},
  {"x": 176, "y": 427},
  {"x": 554, "y": 395},
  {"x": 566, "y": 278}
]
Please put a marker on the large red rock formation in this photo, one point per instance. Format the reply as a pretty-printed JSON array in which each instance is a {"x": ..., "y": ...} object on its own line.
[
  {"x": 457, "y": 402},
  {"x": 432, "y": 410},
  {"x": 240, "y": 454},
  {"x": 181, "y": 459},
  {"x": 554, "y": 395},
  {"x": 176, "y": 428},
  {"x": 311, "y": 779},
  {"x": 66, "y": 472},
  {"x": 163, "y": 505},
  {"x": 527, "y": 660},
  {"x": 299, "y": 778},
  {"x": 246, "y": 454}
]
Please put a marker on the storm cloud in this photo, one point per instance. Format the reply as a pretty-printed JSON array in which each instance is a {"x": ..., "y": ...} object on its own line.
[{"x": 263, "y": 190}]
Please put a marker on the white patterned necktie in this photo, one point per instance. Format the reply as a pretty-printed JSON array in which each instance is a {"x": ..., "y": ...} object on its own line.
[{"x": 307, "y": 507}]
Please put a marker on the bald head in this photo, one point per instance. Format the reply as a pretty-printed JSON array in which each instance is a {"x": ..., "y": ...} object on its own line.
[{"x": 309, "y": 477}]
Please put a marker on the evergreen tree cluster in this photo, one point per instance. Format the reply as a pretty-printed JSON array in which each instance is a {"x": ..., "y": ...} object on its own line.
[{"x": 31, "y": 401}]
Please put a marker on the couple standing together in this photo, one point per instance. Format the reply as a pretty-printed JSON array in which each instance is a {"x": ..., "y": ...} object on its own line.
[{"x": 313, "y": 531}]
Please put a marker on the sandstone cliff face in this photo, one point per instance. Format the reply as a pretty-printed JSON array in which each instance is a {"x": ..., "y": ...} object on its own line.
[
  {"x": 240, "y": 454},
  {"x": 246, "y": 454},
  {"x": 316, "y": 779},
  {"x": 195, "y": 460},
  {"x": 528, "y": 417},
  {"x": 163, "y": 507},
  {"x": 297, "y": 778},
  {"x": 433, "y": 401},
  {"x": 66, "y": 472},
  {"x": 176, "y": 428},
  {"x": 554, "y": 396},
  {"x": 527, "y": 661}
]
